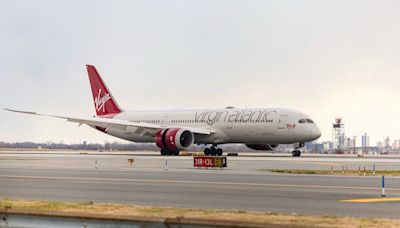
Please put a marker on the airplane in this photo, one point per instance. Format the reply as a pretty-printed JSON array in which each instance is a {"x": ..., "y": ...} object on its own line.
[{"x": 176, "y": 130}]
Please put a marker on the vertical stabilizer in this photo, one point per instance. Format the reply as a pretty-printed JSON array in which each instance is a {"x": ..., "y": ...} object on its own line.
[{"x": 104, "y": 102}]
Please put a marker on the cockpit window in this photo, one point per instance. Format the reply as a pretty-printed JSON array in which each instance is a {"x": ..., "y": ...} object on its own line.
[
  {"x": 302, "y": 121},
  {"x": 309, "y": 121}
]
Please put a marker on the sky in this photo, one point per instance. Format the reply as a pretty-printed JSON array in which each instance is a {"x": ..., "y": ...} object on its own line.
[{"x": 323, "y": 58}]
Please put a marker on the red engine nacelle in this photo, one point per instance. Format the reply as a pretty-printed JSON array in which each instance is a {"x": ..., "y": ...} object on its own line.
[
  {"x": 174, "y": 139},
  {"x": 262, "y": 146}
]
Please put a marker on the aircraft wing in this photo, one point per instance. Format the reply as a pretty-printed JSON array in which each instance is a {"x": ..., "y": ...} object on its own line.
[{"x": 137, "y": 127}]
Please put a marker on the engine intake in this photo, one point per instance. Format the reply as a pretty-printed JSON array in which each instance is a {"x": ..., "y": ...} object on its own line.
[
  {"x": 174, "y": 139},
  {"x": 262, "y": 146}
]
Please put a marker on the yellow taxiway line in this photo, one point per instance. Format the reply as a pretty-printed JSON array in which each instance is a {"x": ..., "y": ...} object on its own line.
[{"x": 371, "y": 200}]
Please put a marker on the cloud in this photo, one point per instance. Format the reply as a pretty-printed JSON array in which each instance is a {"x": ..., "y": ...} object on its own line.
[{"x": 324, "y": 58}]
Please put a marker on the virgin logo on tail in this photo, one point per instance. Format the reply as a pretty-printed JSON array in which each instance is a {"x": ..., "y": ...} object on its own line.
[{"x": 100, "y": 102}]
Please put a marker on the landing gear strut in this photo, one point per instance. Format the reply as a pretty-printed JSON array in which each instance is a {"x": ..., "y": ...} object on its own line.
[{"x": 213, "y": 151}]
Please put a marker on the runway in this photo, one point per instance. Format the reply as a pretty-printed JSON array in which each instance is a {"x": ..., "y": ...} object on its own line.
[{"x": 244, "y": 185}]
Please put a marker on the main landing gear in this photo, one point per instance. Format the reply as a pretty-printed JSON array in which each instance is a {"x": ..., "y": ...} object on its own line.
[{"x": 213, "y": 151}]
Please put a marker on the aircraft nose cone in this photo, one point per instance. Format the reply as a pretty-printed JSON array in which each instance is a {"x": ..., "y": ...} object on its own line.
[{"x": 315, "y": 133}]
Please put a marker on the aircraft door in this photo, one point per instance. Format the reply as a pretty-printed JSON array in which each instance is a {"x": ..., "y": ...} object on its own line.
[
  {"x": 165, "y": 120},
  {"x": 282, "y": 121}
]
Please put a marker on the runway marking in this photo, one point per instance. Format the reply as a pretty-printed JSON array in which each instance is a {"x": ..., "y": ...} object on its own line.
[
  {"x": 208, "y": 183},
  {"x": 371, "y": 200},
  {"x": 324, "y": 163}
]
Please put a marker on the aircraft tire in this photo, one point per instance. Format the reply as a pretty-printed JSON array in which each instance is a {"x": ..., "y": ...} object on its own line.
[
  {"x": 219, "y": 152},
  {"x": 213, "y": 151},
  {"x": 296, "y": 153},
  {"x": 207, "y": 151}
]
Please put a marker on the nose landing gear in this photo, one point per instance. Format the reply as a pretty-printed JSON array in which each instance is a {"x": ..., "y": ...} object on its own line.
[{"x": 296, "y": 152}]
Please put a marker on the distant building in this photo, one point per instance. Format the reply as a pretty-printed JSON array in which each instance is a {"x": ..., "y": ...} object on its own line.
[
  {"x": 364, "y": 142},
  {"x": 319, "y": 147},
  {"x": 331, "y": 145},
  {"x": 346, "y": 142},
  {"x": 314, "y": 147},
  {"x": 395, "y": 145},
  {"x": 387, "y": 142},
  {"x": 353, "y": 142},
  {"x": 309, "y": 146},
  {"x": 343, "y": 141},
  {"x": 328, "y": 146},
  {"x": 379, "y": 145}
]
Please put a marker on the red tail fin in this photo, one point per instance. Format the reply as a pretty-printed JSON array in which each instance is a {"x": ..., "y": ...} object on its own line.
[{"x": 104, "y": 102}]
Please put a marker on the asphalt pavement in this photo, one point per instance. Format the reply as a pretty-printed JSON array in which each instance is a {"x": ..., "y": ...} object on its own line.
[{"x": 174, "y": 182}]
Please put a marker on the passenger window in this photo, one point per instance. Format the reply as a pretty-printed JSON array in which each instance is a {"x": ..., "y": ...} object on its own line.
[
  {"x": 309, "y": 121},
  {"x": 302, "y": 121}
]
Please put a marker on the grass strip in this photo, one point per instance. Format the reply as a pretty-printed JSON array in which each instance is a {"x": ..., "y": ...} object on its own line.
[
  {"x": 34, "y": 149},
  {"x": 336, "y": 172},
  {"x": 250, "y": 218},
  {"x": 21, "y": 159}
]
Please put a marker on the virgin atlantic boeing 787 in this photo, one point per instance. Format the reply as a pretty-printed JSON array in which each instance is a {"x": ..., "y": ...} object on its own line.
[{"x": 176, "y": 130}]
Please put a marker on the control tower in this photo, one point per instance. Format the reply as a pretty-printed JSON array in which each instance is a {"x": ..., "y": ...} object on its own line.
[{"x": 338, "y": 135}]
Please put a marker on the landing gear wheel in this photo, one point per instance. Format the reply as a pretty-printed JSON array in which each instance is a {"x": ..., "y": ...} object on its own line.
[
  {"x": 163, "y": 152},
  {"x": 296, "y": 153},
  {"x": 176, "y": 153},
  {"x": 207, "y": 151},
  {"x": 213, "y": 151}
]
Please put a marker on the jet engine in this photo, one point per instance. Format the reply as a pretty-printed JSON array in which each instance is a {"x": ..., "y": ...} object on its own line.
[
  {"x": 174, "y": 139},
  {"x": 262, "y": 146}
]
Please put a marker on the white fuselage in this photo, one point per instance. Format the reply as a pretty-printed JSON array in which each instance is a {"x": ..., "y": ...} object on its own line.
[
  {"x": 231, "y": 125},
  {"x": 176, "y": 130}
]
